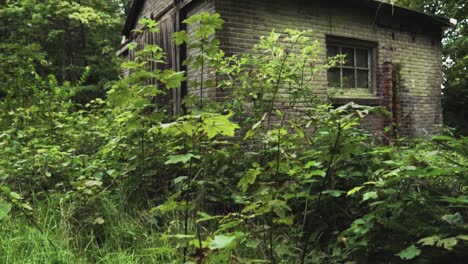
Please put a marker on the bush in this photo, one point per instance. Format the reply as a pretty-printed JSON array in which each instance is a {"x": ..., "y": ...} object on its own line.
[{"x": 259, "y": 177}]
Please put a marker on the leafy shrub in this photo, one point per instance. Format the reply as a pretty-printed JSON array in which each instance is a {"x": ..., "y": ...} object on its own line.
[{"x": 272, "y": 174}]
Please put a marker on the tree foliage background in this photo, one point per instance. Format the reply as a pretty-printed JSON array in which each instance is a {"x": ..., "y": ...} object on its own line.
[{"x": 61, "y": 38}]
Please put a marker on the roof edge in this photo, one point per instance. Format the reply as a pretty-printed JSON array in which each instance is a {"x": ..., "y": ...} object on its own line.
[
  {"x": 137, "y": 5},
  {"x": 132, "y": 17},
  {"x": 446, "y": 21}
]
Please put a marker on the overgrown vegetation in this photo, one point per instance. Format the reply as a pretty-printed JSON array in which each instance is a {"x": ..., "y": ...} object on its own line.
[
  {"x": 272, "y": 174},
  {"x": 62, "y": 38}
]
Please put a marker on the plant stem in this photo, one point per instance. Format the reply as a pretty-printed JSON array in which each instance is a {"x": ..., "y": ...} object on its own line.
[
  {"x": 202, "y": 75},
  {"x": 272, "y": 256},
  {"x": 186, "y": 215},
  {"x": 334, "y": 149},
  {"x": 277, "y": 86}
]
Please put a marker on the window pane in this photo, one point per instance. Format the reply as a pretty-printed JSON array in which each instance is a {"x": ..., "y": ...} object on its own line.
[
  {"x": 334, "y": 77},
  {"x": 348, "y": 78},
  {"x": 349, "y": 59},
  {"x": 363, "y": 79},
  {"x": 332, "y": 51},
  {"x": 362, "y": 58}
]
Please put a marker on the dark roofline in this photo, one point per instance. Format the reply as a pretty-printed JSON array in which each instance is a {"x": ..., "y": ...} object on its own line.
[
  {"x": 436, "y": 19},
  {"x": 132, "y": 17},
  {"x": 441, "y": 21}
]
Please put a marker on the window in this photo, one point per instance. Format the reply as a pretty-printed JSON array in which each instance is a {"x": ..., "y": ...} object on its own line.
[{"x": 355, "y": 73}]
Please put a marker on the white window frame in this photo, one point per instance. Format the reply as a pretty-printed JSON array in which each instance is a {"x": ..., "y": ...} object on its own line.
[{"x": 371, "y": 47}]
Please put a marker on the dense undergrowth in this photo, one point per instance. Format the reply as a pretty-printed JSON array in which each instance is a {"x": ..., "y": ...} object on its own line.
[{"x": 273, "y": 174}]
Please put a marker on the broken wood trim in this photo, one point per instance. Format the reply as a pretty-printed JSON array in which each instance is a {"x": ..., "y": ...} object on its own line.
[
  {"x": 397, "y": 110},
  {"x": 388, "y": 93}
]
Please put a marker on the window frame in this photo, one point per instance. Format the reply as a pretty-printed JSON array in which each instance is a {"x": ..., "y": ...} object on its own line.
[{"x": 355, "y": 44}]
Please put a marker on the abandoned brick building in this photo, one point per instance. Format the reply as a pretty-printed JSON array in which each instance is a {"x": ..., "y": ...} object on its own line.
[{"x": 396, "y": 52}]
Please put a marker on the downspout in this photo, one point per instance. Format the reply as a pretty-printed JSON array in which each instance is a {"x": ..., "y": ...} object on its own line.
[
  {"x": 396, "y": 101},
  {"x": 392, "y": 97},
  {"x": 388, "y": 94}
]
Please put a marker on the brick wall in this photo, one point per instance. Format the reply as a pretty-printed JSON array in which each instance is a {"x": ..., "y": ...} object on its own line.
[
  {"x": 194, "y": 75},
  {"x": 418, "y": 55}
]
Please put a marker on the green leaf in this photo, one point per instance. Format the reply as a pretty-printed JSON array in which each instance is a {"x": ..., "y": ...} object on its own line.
[
  {"x": 463, "y": 199},
  {"x": 410, "y": 253},
  {"x": 334, "y": 193},
  {"x": 99, "y": 221},
  {"x": 15, "y": 195},
  {"x": 222, "y": 242},
  {"x": 280, "y": 207},
  {"x": 206, "y": 217},
  {"x": 184, "y": 158},
  {"x": 355, "y": 190},
  {"x": 111, "y": 172},
  {"x": 288, "y": 220},
  {"x": 180, "y": 37},
  {"x": 448, "y": 243},
  {"x": 429, "y": 241},
  {"x": 93, "y": 183},
  {"x": 150, "y": 23},
  {"x": 252, "y": 244},
  {"x": 314, "y": 173},
  {"x": 219, "y": 124},
  {"x": 180, "y": 179},
  {"x": 285, "y": 251},
  {"x": 172, "y": 79},
  {"x": 454, "y": 219},
  {"x": 163, "y": 250},
  {"x": 442, "y": 138},
  {"x": 370, "y": 196},
  {"x": 26, "y": 206},
  {"x": 4, "y": 209},
  {"x": 311, "y": 164},
  {"x": 248, "y": 179},
  {"x": 177, "y": 237}
]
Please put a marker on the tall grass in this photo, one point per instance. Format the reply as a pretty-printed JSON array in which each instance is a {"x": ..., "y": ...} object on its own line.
[{"x": 65, "y": 234}]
